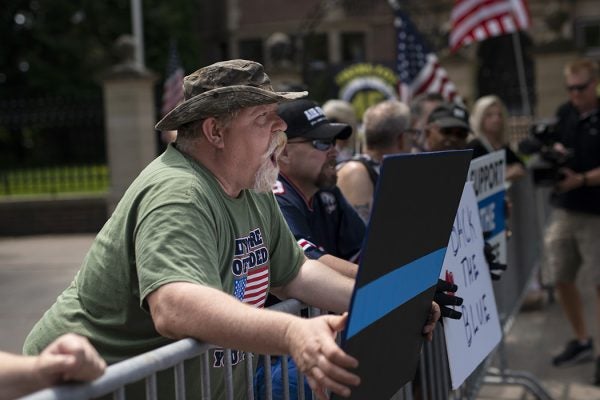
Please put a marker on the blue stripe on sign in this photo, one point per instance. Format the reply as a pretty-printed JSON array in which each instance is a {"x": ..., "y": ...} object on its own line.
[
  {"x": 491, "y": 213},
  {"x": 378, "y": 298}
]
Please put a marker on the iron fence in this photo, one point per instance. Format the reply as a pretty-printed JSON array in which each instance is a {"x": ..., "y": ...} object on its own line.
[{"x": 52, "y": 145}]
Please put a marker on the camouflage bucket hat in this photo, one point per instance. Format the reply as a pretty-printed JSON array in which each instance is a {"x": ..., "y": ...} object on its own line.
[{"x": 223, "y": 87}]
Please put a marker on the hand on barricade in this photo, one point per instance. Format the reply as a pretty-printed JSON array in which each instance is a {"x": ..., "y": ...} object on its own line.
[
  {"x": 70, "y": 357},
  {"x": 317, "y": 355},
  {"x": 496, "y": 268},
  {"x": 445, "y": 297}
]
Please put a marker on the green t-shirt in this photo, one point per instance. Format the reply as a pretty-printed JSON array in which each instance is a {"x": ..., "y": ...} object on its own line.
[{"x": 173, "y": 224}]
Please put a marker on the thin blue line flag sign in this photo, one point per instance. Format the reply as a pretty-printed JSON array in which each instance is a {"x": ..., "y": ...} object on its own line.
[{"x": 416, "y": 199}]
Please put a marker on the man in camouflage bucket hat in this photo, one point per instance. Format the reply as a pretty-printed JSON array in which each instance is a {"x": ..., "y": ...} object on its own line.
[
  {"x": 192, "y": 250},
  {"x": 221, "y": 88}
]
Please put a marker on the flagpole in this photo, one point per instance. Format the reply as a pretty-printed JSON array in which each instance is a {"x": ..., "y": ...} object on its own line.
[
  {"x": 138, "y": 32},
  {"x": 521, "y": 74}
]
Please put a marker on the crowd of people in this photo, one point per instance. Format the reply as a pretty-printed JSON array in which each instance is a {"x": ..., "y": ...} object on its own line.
[{"x": 266, "y": 195}]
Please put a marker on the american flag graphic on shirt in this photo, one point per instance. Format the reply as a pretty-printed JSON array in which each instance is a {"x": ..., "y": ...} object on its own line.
[
  {"x": 250, "y": 269},
  {"x": 252, "y": 288}
]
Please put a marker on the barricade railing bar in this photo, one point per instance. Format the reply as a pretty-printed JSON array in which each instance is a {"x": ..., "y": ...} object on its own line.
[
  {"x": 131, "y": 370},
  {"x": 145, "y": 367},
  {"x": 433, "y": 381}
]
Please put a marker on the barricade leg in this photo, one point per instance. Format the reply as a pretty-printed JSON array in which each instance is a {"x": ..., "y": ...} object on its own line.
[
  {"x": 505, "y": 376},
  {"x": 249, "y": 376}
]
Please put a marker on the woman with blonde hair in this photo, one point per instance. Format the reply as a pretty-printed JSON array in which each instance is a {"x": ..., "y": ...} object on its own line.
[{"x": 489, "y": 122}]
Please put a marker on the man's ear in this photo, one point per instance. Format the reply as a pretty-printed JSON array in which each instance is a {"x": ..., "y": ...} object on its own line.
[{"x": 212, "y": 131}]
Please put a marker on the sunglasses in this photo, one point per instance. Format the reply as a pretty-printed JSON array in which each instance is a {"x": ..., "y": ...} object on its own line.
[
  {"x": 319, "y": 144},
  {"x": 457, "y": 132},
  {"x": 578, "y": 88}
]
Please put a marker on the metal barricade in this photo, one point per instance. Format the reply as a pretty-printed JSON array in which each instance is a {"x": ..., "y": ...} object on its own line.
[
  {"x": 527, "y": 221},
  {"x": 433, "y": 378},
  {"x": 528, "y": 215},
  {"x": 146, "y": 366}
]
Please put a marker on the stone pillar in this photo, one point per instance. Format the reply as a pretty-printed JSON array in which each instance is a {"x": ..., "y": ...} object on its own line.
[{"x": 129, "y": 112}]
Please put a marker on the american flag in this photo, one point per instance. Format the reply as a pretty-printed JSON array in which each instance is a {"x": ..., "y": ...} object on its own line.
[
  {"x": 477, "y": 20},
  {"x": 173, "y": 86},
  {"x": 252, "y": 288},
  {"x": 417, "y": 66}
]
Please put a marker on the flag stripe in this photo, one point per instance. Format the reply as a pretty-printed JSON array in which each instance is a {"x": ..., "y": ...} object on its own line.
[
  {"x": 257, "y": 284},
  {"x": 417, "y": 66},
  {"x": 522, "y": 15},
  {"x": 465, "y": 25},
  {"x": 482, "y": 19}
]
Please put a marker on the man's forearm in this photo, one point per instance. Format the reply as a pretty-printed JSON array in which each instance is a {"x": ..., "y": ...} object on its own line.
[
  {"x": 181, "y": 310},
  {"x": 320, "y": 286},
  {"x": 340, "y": 265}
]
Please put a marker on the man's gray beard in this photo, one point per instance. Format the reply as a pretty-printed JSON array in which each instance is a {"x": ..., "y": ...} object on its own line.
[{"x": 266, "y": 176}]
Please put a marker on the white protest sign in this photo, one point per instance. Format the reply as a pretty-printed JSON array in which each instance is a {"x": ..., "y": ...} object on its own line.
[
  {"x": 487, "y": 174},
  {"x": 470, "y": 339}
]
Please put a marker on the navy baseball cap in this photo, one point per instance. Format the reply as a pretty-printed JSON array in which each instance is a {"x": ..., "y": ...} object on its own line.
[
  {"x": 448, "y": 115},
  {"x": 305, "y": 118}
]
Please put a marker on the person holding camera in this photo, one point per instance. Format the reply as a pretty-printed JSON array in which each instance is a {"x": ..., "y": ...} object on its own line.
[{"x": 571, "y": 239}]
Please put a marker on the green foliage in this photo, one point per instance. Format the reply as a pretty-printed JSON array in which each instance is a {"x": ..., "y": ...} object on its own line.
[{"x": 61, "y": 47}]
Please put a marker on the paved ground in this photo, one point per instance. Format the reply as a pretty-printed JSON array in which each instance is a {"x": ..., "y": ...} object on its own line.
[
  {"x": 532, "y": 341},
  {"x": 34, "y": 270},
  {"x": 530, "y": 345}
]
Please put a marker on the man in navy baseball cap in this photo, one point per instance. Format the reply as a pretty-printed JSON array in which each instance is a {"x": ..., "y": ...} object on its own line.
[
  {"x": 447, "y": 128},
  {"x": 305, "y": 118},
  {"x": 306, "y": 190},
  {"x": 324, "y": 224}
]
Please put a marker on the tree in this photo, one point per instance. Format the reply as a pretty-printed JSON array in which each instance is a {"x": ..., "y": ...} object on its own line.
[
  {"x": 61, "y": 48},
  {"x": 53, "y": 55}
]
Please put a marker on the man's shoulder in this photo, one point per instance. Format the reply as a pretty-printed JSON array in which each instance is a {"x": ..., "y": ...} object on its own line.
[
  {"x": 169, "y": 165},
  {"x": 167, "y": 181},
  {"x": 352, "y": 166},
  {"x": 284, "y": 191},
  {"x": 264, "y": 198},
  {"x": 361, "y": 171}
]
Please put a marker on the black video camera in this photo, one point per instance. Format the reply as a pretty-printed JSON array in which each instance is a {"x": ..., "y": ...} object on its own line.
[{"x": 540, "y": 142}]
